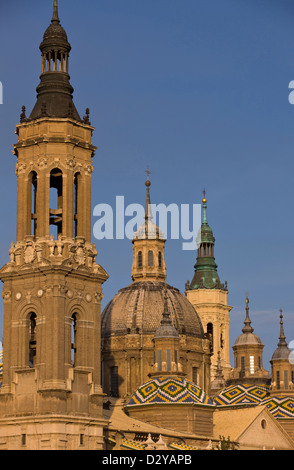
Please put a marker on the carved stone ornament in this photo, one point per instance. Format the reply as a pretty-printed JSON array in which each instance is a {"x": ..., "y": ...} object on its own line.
[
  {"x": 29, "y": 254},
  {"x": 20, "y": 168},
  {"x": 70, "y": 163},
  {"x": 42, "y": 163},
  {"x": 88, "y": 169},
  {"x": 88, "y": 298},
  {"x": 80, "y": 257}
]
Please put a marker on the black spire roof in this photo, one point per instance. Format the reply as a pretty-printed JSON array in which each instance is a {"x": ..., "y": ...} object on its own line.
[{"x": 55, "y": 93}]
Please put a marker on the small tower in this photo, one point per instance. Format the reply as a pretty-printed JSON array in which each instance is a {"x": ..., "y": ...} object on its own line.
[
  {"x": 219, "y": 381},
  {"x": 148, "y": 247},
  {"x": 210, "y": 297},
  {"x": 166, "y": 346},
  {"x": 51, "y": 393},
  {"x": 248, "y": 350},
  {"x": 282, "y": 367}
]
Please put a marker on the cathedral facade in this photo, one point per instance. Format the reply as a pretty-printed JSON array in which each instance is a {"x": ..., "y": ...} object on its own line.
[{"x": 152, "y": 371}]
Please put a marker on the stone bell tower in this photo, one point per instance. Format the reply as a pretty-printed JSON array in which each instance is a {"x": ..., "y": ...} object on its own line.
[{"x": 51, "y": 396}]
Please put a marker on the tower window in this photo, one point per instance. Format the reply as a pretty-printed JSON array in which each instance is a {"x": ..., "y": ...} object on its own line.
[
  {"x": 140, "y": 259},
  {"x": 160, "y": 259},
  {"x": 32, "y": 340},
  {"x": 56, "y": 200},
  {"x": 278, "y": 381},
  {"x": 159, "y": 360},
  {"x": 195, "y": 375},
  {"x": 73, "y": 340},
  {"x": 209, "y": 335},
  {"x": 251, "y": 365},
  {"x": 150, "y": 259},
  {"x": 77, "y": 208},
  {"x": 242, "y": 363},
  {"x": 168, "y": 359},
  {"x": 33, "y": 203},
  {"x": 286, "y": 379}
]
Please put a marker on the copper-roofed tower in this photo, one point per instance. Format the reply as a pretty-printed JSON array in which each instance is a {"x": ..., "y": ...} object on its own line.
[
  {"x": 282, "y": 367},
  {"x": 209, "y": 296},
  {"x": 52, "y": 290},
  {"x": 248, "y": 356}
]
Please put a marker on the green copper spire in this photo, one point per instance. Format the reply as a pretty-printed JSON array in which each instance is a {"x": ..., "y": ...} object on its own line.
[
  {"x": 206, "y": 276},
  {"x": 204, "y": 201}
]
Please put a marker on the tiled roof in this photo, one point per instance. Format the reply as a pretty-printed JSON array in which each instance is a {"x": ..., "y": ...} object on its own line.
[
  {"x": 168, "y": 390},
  {"x": 241, "y": 394}
]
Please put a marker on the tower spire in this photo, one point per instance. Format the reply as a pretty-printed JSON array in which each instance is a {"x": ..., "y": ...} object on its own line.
[
  {"x": 148, "y": 213},
  {"x": 54, "y": 92},
  {"x": 204, "y": 201},
  {"x": 206, "y": 275},
  {"x": 247, "y": 328},
  {"x": 282, "y": 337},
  {"x": 55, "y": 17}
]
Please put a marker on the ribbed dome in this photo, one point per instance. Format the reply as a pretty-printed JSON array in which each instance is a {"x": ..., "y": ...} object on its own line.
[
  {"x": 247, "y": 339},
  {"x": 139, "y": 307},
  {"x": 55, "y": 35},
  {"x": 281, "y": 353}
]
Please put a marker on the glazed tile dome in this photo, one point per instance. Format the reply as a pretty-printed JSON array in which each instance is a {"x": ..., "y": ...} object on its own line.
[
  {"x": 168, "y": 390},
  {"x": 241, "y": 394},
  {"x": 138, "y": 308},
  {"x": 280, "y": 406}
]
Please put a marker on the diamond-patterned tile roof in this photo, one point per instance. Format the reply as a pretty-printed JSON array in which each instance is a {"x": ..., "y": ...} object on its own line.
[
  {"x": 168, "y": 390},
  {"x": 280, "y": 407},
  {"x": 241, "y": 394}
]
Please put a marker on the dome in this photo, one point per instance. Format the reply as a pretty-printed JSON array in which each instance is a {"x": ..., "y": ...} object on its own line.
[
  {"x": 168, "y": 390},
  {"x": 281, "y": 354},
  {"x": 139, "y": 308},
  {"x": 241, "y": 394},
  {"x": 248, "y": 339},
  {"x": 55, "y": 34},
  {"x": 280, "y": 406},
  {"x": 148, "y": 230}
]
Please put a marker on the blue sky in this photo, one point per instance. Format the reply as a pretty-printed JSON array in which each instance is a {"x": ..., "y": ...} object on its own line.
[{"x": 197, "y": 90}]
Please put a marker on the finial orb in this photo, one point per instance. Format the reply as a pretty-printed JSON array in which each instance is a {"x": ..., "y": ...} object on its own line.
[
  {"x": 204, "y": 200},
  {"x": 148, "y": 183}
]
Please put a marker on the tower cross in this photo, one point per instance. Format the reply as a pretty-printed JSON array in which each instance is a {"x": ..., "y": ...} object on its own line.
[{"x": 148, "y": 173}]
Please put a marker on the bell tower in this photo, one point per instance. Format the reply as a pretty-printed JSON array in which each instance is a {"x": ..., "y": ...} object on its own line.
[
  {"x": 52, "y": 290},
  {"x": 209, "y": 296}
]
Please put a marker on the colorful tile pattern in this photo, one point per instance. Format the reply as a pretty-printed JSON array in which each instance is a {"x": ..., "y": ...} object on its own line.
[
  {"x": 280, "y": 407},
  {"x": 163, "y": 390},
  {"x": 241, "y": 394}
]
